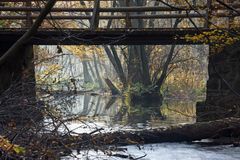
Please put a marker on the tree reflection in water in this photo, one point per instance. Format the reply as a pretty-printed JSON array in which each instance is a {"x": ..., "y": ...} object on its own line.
[{"x": 113, "y": 112}]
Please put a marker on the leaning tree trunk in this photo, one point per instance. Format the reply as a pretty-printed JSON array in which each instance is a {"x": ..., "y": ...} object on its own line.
[
  {"x": 14, "y": 49},
  {"x": 16, "y": 57},
  {"x": 17, "y": 79}
]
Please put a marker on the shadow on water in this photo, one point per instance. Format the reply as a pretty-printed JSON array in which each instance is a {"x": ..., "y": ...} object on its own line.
[{"x": 112, "y": 112}]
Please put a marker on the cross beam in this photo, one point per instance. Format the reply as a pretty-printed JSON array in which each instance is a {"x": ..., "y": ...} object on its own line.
[{"x": 101, "y": 37}]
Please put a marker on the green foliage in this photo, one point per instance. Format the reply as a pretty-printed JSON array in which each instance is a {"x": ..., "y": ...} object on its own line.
[
  {"x": 145, "y": 96},
  {"x": 1, "y": 23},
  {"x": 138, "y": 89},
  {"x": 218, "y": 38},
  {"x": 19, "y": 150},
  {"x": 133, "y": 90},
  {"x": 7, "y": 146}
]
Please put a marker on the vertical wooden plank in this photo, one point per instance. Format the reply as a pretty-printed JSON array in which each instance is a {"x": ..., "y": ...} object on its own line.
[
  {"x": 208, "y": 14},
  {"x": 95, "y": 15},
  {"x": 127, "y": 20},
  {"x": 28, "y": 15},
  {"x": 230, "y": 18}
]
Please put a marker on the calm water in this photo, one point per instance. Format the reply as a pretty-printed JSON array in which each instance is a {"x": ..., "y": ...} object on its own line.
[{"x": 113, "y": 114}]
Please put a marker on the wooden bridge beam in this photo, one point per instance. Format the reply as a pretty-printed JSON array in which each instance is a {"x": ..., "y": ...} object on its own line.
[
  {"x": 117, "y": 9},
  {"x": 140, "y": 16},
  {"x": 44, "y": 0},
  {"x": 94, "y": 23},
  {"x": 100, "y": 37},
  {"x": 28, "y": 15},
  {"x": 208, "y": 13},
  {"x": 127, "y": 20}
]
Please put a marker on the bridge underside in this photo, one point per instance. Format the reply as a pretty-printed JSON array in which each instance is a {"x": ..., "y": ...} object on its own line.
[{"x": 101, "y": 37}]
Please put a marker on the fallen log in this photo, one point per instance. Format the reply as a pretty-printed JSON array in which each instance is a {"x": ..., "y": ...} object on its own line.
[
  {"x": 61, "y": 145},
  {"x": 228, "y": 127}
]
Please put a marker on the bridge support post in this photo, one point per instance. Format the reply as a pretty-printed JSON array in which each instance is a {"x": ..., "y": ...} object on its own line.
[
  {"x": 18, "y": 72},
  {"x": 223, "y": 86}
]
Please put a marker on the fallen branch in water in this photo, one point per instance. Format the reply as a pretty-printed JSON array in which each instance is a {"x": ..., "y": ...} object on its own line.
[
  {"x": 55, "y": 143},
  {"x": 228, "y": 127}
]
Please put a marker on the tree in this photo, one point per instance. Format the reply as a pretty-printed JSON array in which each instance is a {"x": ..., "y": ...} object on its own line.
[
  {"x": 138, "y": 77},
  {"x": 13, "y": 57}
]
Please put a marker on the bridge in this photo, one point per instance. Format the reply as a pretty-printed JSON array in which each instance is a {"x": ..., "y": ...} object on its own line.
[
  {"x": 112, "y": 21},
  {"x": 119, "y": 22}
]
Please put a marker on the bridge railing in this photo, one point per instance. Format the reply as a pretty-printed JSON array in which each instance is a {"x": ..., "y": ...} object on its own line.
[{"x": 95, "y": 14}]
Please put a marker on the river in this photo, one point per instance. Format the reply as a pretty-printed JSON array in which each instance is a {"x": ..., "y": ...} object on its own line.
[
  {"x": 111, "y": 114},
  {"x": 167, "y": 151}
]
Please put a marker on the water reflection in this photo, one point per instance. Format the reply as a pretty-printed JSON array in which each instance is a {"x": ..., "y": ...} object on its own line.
[
  {"x": 169, "y": 151},
  {"x": 112, "y": 112}
]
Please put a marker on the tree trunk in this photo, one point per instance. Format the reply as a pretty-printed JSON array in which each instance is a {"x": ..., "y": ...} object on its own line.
[
  {"x": 16, "y": 63},
  {"x": 114, "y": 59},
  {"x": 86, "y": 75},
  {"x": 91, "y": 71},
  {"x": 97, "y": 72},
  {"x": 229, "y": 127},
  {"x": 14, "y": 49},
  {"x": 138, "y": 63},
  {"x": 112, "y": 87},
  {"x": 163, "y": 76},
  {"x": 134, "y": 66}
]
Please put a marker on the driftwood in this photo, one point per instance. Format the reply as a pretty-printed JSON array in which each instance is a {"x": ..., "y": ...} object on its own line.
[{"x": 229, "y": 127}]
